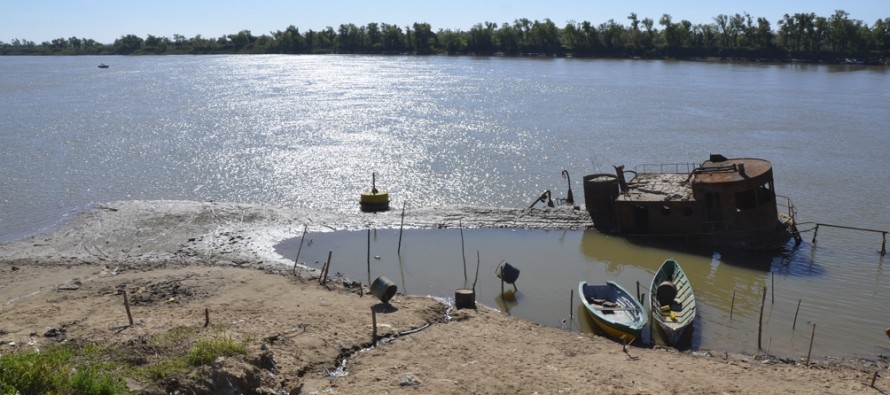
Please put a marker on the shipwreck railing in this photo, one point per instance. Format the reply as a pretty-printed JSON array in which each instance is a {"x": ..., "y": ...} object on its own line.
[
  {"x": 666, "y": 168},
  {"x": 882, "y": 232}
]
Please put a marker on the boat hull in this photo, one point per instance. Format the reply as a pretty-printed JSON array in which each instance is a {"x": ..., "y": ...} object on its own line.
[
  {"x": 623, "y": 320},
  {"x": 673, "y": 302}
]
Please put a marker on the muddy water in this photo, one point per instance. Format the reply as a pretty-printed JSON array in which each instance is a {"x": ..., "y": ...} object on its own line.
[{"x": 840, "y": 290}]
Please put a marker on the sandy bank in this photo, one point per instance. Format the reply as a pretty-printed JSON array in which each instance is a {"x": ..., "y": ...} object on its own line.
[{"x": 177, "y": 259}]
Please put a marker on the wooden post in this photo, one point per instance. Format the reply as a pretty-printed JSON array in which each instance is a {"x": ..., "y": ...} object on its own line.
[
  {"x": 815, "y": 232},
  {"x": 206, "y": 317},
  {"x": 571, "y": 308},
  {"x": 369, "y": 257},
  {"x": 323, "y": 278},
  {"x": 884, "y": 244},
  {"x": 795, "y": 315},
  {"x": 374, "y": 324},
  {"x": 772, "y": 291},
  {"x": 297, "y": 259},
  {"x": 732, "y": 305},
  {"x": 462, "y": 253},
  {"x": 639, "y": 296},
  {"x": 810, "y": 351},
  {"x": 478, "y": 262},
  {"x": 760, "y": 321},
  {"x": 875, "y": 377},
  {"x": 127, "y": 305},
  {"x": 401, "y": 225}
]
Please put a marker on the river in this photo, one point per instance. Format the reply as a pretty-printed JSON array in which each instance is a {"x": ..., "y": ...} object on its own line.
[{"x": 309, "y": 131}]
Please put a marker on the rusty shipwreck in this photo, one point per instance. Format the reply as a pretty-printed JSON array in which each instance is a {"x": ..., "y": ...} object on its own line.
[{"x": 721, "y": 202}]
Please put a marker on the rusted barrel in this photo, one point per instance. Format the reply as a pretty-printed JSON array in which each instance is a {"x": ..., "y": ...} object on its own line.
[
  {"x": 383, "y": 289},
  {"x": 665, "y": 293}
]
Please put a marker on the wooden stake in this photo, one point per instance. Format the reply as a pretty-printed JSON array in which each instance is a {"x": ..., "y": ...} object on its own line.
[
  {"x": 462, "y": 253},
  {"x": 127, "y": 305},
  {"x": 772, "y": 279},
  {"x": 206, "y": 317},
  {"x": 795, "y": 315},
  {"x": 401, "y": 225},
  {"x": 639, "y": 298},
  {"x": 760, "y": 321},
  {"x": 323, "y": 279},
  {"x": 732, "y": 305},
  {"x": 873, "y": 378},
  {"x": 297, "y": 259},
  {"x": 478, "y": 261},
  {"x": 571, "y": 308},
  {"x": 369, "y": 256},
  {"x": 374, "y": 324},
  {"x": 810, "y": 351}
]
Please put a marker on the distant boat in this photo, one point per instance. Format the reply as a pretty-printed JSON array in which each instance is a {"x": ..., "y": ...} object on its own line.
[
  {"x": 672, "y": 302},
  {"x": 103, "y": 66},
  {"x": 614, "y": 310}
]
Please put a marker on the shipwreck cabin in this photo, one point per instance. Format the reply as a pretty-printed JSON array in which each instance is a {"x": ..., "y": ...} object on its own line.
[{"x": 722, "y": 201}]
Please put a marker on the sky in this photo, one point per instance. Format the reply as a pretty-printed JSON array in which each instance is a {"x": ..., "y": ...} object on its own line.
[{"x": 107, "y": 20}]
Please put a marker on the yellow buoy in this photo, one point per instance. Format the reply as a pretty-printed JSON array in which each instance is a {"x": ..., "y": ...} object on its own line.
[{"x": 375, "y": 200}]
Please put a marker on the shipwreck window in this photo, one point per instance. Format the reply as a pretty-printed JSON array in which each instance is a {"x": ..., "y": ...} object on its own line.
[
  {"x": 765, "y": 193},
  {"x": 665, "y": 211},
  {"x": 745, "y": 200}
]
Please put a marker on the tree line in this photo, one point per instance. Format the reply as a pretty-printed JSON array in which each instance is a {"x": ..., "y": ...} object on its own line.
[{"x": 800, "y": 36}]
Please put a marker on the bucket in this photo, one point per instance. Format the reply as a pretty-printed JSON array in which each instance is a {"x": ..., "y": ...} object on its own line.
[
  {"x": 508, "y": 273},
  {"x": 465, "y": 299},
  {"x": 383, "y": 289}
]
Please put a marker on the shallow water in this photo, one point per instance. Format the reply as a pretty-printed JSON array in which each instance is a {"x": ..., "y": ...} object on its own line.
[{"x": 551, "y": 264}]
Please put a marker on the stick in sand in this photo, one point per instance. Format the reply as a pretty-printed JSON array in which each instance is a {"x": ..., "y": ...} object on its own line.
[
  {"x": 323, "y": 278},
  {"x": 206, "y": 317},
  {"x": 374, "y": 324},
  {"x": 795, "y": 315},
  {"x": 127, "y": 305}
]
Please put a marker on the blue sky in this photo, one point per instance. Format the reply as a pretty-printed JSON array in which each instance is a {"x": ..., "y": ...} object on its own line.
[{"x": 107, "y": 20}]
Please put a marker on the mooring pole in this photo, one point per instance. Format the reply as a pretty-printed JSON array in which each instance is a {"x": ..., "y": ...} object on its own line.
[
  {"x": 795, "y": 315},
  {"x": 571, "y": 308},
  {"x": 884, "y": 244},
  {"x": 815, "y": 232},
  {"x": 810, "y": 351},
  {"x": 297, "y": 259},
  {"x": 760, "y": 321},
  {"x": 369, "y": 257},
  {"x": 463, "y": 254},
  {"x": 401, "y": 225},
  {"x": 732, "y": 305}
]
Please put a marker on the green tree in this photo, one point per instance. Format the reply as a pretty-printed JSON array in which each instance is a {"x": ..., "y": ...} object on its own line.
[
  {"x": 424, "y": 39},
  {"x": 127, "y": 44}
]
